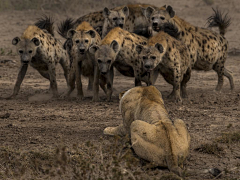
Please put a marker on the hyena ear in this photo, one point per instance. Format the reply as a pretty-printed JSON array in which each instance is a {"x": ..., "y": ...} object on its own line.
[
  {"x": 159, "y": 47},
  {"x": 115, "y": 46},
  {"x": 106, "y": 12},
  {"x": 93, "y": 49},
  {"x": 125, "y": 11},
  {"x": 70, "y": 33},
  {"x": 36, "y": 41},
  {"x": 139, "y": 48},
  {"x": 148, "y": 12},
  {"x": 16, "y": 40},
  {"x": 121, "y": 94},
  {"x": 92, "y": 33},
  {"x": 68, "y": 44},
  {"x": 170, "y": 11},
  {"x": 165, "y": 6}
]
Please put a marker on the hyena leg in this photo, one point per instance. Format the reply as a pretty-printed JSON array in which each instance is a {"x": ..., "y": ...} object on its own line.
[
  {"x": 79, "y": 81},
  {"x": 176, "y": 85},
  {"x": 21, "y": 75},
  {"x": 53, "y": 81},
  {"x": 103, "y": 83},
  {"x": 90, "y": 83},
  {"x": 71, "y": 81},
  {"x": 65, "y": 65},
  {"x": 45, "y": 75},
  {"x": 219, "y": 68},
  {"x": 115, "y": 131},
  {"x": 229, "y": 75},
  {"x": 96, "y": 84},
  {"x": 186, "y": 78},
  {"x": 110, "y": 84}
]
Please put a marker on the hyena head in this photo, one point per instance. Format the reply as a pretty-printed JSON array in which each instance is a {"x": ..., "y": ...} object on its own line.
[
  {"x": 105, "y": 55},
  {"x": 81, "y": 40},
  {"x": 26, "y": 48},
  {"x": 150, "y": 56},
  {"x": 116, "y": 18},
  {"x": 157, "y": 18}
]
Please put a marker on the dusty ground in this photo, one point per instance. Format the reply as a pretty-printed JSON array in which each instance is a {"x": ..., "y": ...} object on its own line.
[{"x": 35, "y": 121}]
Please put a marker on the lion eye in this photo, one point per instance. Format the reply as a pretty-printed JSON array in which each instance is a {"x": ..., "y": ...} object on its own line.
[
  {"x": 20, "y": 51},
  {"x": 153, "y": 57},
  {"x": 77, "y": 41},
  {"x": 86, "y": 41},
  {"x": 30, "y": 52},
  {"x": 162, "y": 18},
  {"x": 115, "y": 19},
  {"x": 109, "y": 61},
  {"x": 99, "y": 60}
]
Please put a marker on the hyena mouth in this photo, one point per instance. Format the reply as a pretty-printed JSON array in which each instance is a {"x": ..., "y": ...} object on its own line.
[{"x": 155, "y": 28}]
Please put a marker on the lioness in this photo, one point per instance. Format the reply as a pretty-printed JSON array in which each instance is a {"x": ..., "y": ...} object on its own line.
[{"x": 154, "y": 136}]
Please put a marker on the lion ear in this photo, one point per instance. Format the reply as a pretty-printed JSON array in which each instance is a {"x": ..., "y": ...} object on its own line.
[
  {"x": 121, "y": 94},
  {"x": 16, "y": 40},
  {"x": 170, "y": 11}
]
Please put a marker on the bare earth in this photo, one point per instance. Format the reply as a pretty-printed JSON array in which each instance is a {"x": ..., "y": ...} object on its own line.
[{"x": 38, "y": 122}]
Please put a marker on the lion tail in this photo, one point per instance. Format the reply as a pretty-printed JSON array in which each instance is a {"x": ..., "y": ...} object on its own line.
[{"x": 218, "y": 19}]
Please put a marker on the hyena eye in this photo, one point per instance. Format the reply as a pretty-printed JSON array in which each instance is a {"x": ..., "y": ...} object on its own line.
[
  {"x": 153, "y": 57},
  {"x": 144, "y": 57},
  {"x": 122, "y": 18},
  {"x": 115, "y": 19},
  {"x": 153, "y": 18},
  {"x": 99, "y": 61},
  {"x": 77, "y": 41},
  {"x": 86, "y": 41},
  {"x": 20, "y": 51},
  {"x": 109, "y": 61},
  {"x": 30, "y": 52},
  {"x": 162, "y": 18}
]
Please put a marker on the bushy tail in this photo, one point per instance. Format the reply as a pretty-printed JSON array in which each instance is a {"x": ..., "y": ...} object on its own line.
[
  {"x": 219, "y": 20},
  {"x": 171, "y": 29},
  {"x": 46, "y": 23},
  {"x": 65, "y": 26}
]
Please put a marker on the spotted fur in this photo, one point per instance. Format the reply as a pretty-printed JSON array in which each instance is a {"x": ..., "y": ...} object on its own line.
[
  {"x": 208, "y": 49},
  {"x": 42, "y": 51}
]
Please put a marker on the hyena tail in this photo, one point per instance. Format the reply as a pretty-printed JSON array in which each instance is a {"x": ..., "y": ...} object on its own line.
[
  {"x": 218, "y": 19},
  {"x": 171, "y": 29},
  {"x": 45, "y": 22},
  {"x": 65, "y": 26}
]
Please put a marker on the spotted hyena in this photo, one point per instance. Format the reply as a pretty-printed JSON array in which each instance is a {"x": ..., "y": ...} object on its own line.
[
  {"x": 208, "y": 49},
  {"x": 117, "y": 50},
  {"x": 38, "y": 47},
  {"x": 129, "y": 17},
  {"x": 171, "y": 58}
]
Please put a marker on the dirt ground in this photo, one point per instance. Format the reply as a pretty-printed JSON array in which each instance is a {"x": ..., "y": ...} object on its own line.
[{"x": 35, "y": 121}]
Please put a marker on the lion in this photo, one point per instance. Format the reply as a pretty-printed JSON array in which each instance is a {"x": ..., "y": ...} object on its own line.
[{"x": 154, "y": 136}]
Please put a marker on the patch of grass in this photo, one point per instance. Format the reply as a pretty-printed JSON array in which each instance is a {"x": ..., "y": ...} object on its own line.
[
  {"x": 210, "y": 148},
  {"x": 230, "y": 137},
  {"x": 99, "y": 160}
]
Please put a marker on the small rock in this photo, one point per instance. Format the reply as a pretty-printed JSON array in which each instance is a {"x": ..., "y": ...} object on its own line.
[{"x": 214, "y": 171}]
